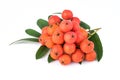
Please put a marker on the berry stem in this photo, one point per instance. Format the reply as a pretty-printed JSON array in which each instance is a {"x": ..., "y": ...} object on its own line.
[
  {"x": 57, "y": 13},
  {"x": 97, "y": 29},
  {"x": 94, "y": 31}
]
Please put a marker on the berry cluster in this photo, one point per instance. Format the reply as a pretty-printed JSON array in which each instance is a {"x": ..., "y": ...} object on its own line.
[{"x": 67, "y": 40}]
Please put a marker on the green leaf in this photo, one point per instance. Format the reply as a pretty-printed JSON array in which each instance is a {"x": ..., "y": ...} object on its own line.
[
  {"x": 25, "y": 40},
  {"x": 50, "y": 59},
  {"x": 42, "y": 51},
  {"x": 98, "y": 46},
  {"x": 32, "y": 32},
  {"x": 84, "y": 25},
  {"x": 42, "y": 23}
]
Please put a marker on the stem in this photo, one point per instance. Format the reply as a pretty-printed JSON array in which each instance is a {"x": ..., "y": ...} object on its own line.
[
  {"x": 57, "y": 13},
  {"x": 95, "y": 30}
]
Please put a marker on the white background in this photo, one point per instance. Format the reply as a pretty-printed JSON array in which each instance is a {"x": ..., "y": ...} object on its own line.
[{"x": 17, "y": 62}]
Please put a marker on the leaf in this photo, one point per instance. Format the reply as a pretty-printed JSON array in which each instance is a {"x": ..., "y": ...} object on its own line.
[
  {"x": 32, "y": 32},
  {"x": 84, "y": 25},
  {"x": 25, "y": 40},
  {"x": 42, "y": 51},
  {"x": 50, "y": 59},
  {"x": 42, "y": 23},
  {"x": 98, "y": 46}
]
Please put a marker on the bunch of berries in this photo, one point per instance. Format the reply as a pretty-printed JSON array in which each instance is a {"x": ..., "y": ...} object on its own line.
[{"x": 67, "y": 40}]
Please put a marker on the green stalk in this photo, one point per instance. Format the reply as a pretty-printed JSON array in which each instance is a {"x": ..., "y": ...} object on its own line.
[{"x": 95, "y": 30}]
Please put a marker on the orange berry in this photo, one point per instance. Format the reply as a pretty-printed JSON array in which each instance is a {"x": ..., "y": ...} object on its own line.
[
  {"x": 77, "y": 56},
  {"x": 67, "y": 14},
  {"x": 65, "y": 59},
  {"x": 42, "y": 38},
  {"x": 58, "y": 37},
  {"x": 44, "y": 30},
  {"x": 69, "y": 48},
  {"x": 53, "y": 20},
  {"x": 76, "y": 19},
  {"x": 81, "y": 35},
  {"x": 48, "y": 42},
  {"x": 76, "y": 26},
  {"x": 66, "y": 25},
  {"x": 56, "y": 51},
  {"x": 87, "y": 46},
  {"x": 51, "y": 29},
  {"x": 91, "y": 56},
  {"x": 70, "y": 37}
]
